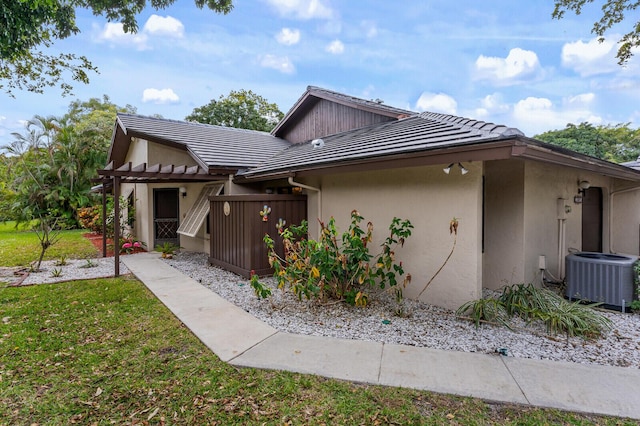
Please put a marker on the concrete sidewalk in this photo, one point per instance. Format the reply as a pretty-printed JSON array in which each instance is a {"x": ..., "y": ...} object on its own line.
[{"x": 242, "y": 340}]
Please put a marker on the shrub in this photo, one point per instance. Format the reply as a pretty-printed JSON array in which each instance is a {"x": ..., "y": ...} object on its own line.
[
  {"x": 531, "y": 303},
  {"x": 336, "y": 267},
  {"x": 90, "y": 218}
]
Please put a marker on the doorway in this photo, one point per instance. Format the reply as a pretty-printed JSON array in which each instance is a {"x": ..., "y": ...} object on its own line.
[
  {"x": 166, "y": 211},
  {"x": 592, "y": 220}
]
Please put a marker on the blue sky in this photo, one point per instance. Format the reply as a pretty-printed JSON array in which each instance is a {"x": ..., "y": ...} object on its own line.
[{"x": 501, "y": 61}]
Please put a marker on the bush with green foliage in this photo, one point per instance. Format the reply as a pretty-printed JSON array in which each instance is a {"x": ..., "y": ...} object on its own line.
[
  {"x": 336, "y": 267},
  {"x": 535, "y": 304},
  {"x": 635, "y": 304}
]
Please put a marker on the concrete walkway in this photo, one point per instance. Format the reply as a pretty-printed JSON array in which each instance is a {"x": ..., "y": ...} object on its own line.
[{"x": 242, "y": 340}]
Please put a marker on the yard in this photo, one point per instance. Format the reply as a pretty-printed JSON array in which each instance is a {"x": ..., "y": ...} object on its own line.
[{"x": 106, "y": 351}]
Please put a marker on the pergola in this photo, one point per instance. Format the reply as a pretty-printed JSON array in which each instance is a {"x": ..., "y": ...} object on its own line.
[{"x": 111, "y": 177}]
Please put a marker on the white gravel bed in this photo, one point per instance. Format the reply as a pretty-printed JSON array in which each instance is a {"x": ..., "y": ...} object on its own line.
[
  {"x": 74, "y": 269},
  {"x": 426, "y": 325}
]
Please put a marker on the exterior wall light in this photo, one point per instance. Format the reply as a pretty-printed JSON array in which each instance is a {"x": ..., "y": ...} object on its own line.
[
  {"x": 583, "y": 185},
  {"x": 463, "y": 170},
  {"x": 183, "y": 191}
]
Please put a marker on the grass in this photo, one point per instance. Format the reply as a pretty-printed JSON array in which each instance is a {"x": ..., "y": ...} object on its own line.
[
  {"x": 21, "y": 247},
  {"x": 107, "y": 351}
]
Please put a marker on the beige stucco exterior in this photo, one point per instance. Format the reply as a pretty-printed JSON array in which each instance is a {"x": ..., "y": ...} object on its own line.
[
  {"x": 530, "y": 212},
  {"x": 142, "y": 151},
  {"x": 429, "y": 199},
  {"x": 528, "y": 209},
  {"x": 510, "y": 212}
]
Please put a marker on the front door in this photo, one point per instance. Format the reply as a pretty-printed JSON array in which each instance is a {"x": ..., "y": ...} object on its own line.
[
  {"x": 165, "y": 216},
  {"x": 592, "y": 220}
]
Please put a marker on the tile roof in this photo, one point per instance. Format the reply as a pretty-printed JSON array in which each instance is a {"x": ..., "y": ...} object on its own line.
[
  {"x": 635, "y": 164},
  {"x": 420, "y": 132},
  {"x": 376, "y": 104},
  {"x": 215, "y": 146}
]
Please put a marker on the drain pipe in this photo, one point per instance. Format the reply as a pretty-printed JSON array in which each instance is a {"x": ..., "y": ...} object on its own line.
[
  {"x": 611, "y": 195},
  {"x": 310, "y": 188}
]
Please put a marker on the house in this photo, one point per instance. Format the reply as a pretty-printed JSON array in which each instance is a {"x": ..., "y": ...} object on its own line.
[{"x": 521, "y": 203}]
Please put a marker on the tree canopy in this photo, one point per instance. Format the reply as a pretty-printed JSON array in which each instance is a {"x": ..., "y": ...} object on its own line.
[
  {"x": 27, "y": 27},
  {"x": 47, "y": 170},
  {"x": 617, "y": 143},
  {"x": 613, "y": 13},
  {"x": 240, "y": 109}
]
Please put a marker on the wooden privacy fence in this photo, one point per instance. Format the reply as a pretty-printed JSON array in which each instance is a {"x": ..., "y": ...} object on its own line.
[{"x": 238, "y": 224}]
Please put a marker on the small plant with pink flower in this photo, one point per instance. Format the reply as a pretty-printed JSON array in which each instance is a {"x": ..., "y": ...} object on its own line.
[{"x": 130, "y": 245}]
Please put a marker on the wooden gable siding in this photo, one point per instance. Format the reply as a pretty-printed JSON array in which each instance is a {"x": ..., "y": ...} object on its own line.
[{"x": 326, "y": 118}]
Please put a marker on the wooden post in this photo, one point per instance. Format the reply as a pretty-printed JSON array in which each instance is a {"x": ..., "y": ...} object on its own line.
[
  {"x": 104, "y": 218},
  {"x": 116, "y": 225}
]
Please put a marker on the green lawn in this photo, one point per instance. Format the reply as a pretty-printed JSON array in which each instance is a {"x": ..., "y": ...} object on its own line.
[
  {"x": 107, "y": 351},
  {"x": 21, "y": 247}
]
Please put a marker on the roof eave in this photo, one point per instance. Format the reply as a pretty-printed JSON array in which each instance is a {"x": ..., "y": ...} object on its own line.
[
  {"x": 495, "y": 150},
  {"x": 502, "y": 149}
]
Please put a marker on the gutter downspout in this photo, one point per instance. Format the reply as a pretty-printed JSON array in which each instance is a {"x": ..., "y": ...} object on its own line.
[
  {"x": 611, "y": 195},
  {"x": 310, "y": 188}
]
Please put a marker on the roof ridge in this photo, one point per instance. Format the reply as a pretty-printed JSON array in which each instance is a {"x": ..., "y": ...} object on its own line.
[
  {"x": 356, "y": 99},
  {"x": 479, "y": 126},
  {"x": 191, "y": 123}
]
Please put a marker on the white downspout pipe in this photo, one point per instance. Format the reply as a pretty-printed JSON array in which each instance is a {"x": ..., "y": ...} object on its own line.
[
  {"x": 310, "y": 188},
  {"x": 611, "y": 195}
]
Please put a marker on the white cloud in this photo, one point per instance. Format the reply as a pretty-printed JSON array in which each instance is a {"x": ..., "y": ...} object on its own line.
[
  {"x": 288, "y": 36},
  {"x": 114, "y": 32},
  {"x": 582, "y": 99},
  {"x": 303, "y": 9},
  {"x": 166, "y": 26},
  {"x": 436, "y": 102},
  {"x": 518, "y": 65},
  {"x": 590, "y": 58},
  {"x": 336, "y": 47},
  {"x": 370, "y": 29},
  {"x": 280, "y": 63},
  {"x": 491, "y": 105},
  {"x": 536, "y": 115},
  {"x": 160, "y": 96},
  {"x": 155, "y": 26}
]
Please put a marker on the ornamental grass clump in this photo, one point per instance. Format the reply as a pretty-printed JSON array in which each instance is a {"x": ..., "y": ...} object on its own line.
[
  {"x": 537, "y": 304},
  {"x": 336, "y": 267}
]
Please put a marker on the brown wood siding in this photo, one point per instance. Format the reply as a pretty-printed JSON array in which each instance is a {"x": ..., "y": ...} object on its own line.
[
  {"x": 237, "y": 239},
  {"x": 326, "y": 118}
]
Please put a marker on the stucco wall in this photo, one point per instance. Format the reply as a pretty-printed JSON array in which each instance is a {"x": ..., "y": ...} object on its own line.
[
  {"x": 544, "y": 185},
  {"x": 504, "y": 243},
  {"x": 521, "y": 222},
  {"x": 166, "y": 155},
  {"x": 429, "y": 199},
  {"x": 142, "y": 151},
  {"x": 625, "y": 225},
  {"x": 137, "y": 151}
]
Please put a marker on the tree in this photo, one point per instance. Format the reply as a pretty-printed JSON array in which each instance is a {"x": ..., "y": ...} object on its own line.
[
  {"x": 613, "y": 12},
  {"x": 617, "y": 143},
  {"x": 29, "y": 26},
  {"x": 50, "y": 165},
  {"x": 240, "y": 109}
]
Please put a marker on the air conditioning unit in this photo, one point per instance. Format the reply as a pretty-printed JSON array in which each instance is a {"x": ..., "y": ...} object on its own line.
[{"x": 600, "y": 277}]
